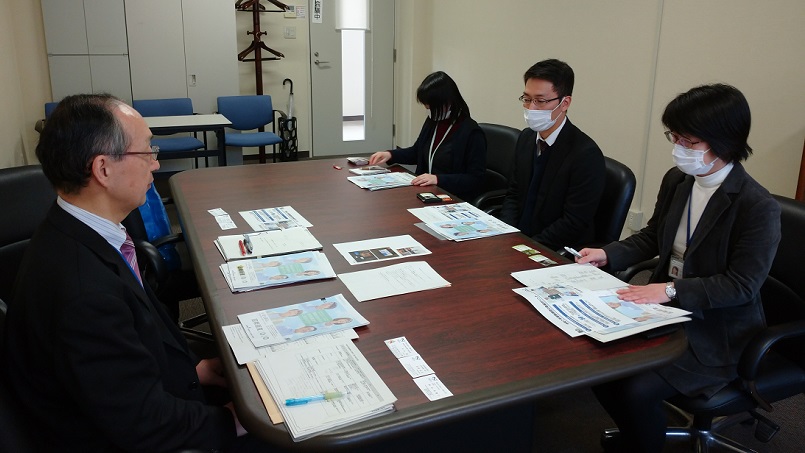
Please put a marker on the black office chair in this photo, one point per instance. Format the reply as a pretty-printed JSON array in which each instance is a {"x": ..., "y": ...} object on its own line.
[
  {"x": 171, "y": 282},
  {"x": 17, "y": 430},
  {"x": 500, "y": 142},
  {"x": 28, "y": 195},
  {"x": 615, "y": 202},
  {"x": 772, "y": 367}
]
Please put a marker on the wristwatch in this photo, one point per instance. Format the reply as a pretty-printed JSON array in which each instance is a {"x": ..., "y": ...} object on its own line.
[{"x": 670, "y": 291}]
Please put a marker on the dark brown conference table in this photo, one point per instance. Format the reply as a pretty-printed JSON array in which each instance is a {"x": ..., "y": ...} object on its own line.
[{"x": 490, "y": 348}]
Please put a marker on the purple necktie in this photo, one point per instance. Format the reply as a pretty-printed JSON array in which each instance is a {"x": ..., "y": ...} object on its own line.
[{"x": 127, "y": 249}]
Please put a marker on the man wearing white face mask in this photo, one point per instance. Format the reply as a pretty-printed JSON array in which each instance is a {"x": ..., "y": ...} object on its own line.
[
  {"x": 559, "y": 173},
  {"x": 716, "y": 231}
]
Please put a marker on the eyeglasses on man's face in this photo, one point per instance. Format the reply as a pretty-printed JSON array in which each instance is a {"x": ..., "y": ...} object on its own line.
[
  {"x": 677, "y": 139},
  {"x": 538, "y": 103},
  {"x": 154, "y": 152}
]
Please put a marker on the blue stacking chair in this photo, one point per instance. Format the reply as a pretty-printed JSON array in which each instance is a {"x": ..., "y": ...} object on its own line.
[
  {"x": 170, "y": 107},
  {"x": 247, "y": 113},
  {"x": 49, "y": 107}
]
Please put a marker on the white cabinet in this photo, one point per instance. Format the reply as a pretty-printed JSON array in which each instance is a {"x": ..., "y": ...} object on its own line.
[
  {"x": 143, "y": 49},
  {"x": 87, "y": 47},
  {"x": 183, "y": 48}
]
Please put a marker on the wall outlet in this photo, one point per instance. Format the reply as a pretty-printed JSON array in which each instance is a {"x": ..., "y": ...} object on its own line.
[
  {"x": 634, "y": 221},
  {"x": 289, "y": 33}
]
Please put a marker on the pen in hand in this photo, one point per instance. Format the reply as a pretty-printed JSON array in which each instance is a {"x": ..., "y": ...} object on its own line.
[
  {"x": 248, "y": 243},
  {"x": 309, "y": 399},
  {"x": 573, "y": 252}
]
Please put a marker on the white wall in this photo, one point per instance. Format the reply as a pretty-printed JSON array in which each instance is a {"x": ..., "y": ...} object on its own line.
[
  {"x": 24, "y": 81},
  {"x": 630, "y": 59}
]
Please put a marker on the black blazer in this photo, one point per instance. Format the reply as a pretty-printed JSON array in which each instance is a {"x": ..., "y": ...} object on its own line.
[
  {"x": 467, "y": 146},
  {"x": 729, "y": 257},
  {"x": 94, "y": 357},
  {"x": 569, "y": 192}
]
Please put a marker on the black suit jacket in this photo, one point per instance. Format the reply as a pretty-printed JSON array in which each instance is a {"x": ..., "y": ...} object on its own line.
[
  {"x": 569, "y": 192},
  {"x": 94, "y": 357},
  {"x": 467, "y": 146},
  {"x": 729, "y": 257}
]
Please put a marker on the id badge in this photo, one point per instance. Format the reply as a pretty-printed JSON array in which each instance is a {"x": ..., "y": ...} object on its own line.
[{"x": 675, "y": 267}]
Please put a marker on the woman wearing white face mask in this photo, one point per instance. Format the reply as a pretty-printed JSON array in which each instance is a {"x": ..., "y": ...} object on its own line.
[
  {"x": 451, "y": 148},
  {"x": 716, "y": 232}
]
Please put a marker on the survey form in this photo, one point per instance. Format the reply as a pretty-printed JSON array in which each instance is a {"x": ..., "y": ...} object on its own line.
[{"x": 392, "y": 280}]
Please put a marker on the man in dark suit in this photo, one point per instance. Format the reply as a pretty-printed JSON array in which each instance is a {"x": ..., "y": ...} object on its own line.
[
  {"x": 94, "y": 357},
  {"x": 559, "y": 172}
]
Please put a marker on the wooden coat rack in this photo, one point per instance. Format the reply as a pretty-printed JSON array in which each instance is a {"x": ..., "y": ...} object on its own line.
[{"x": 257, "y": 45}]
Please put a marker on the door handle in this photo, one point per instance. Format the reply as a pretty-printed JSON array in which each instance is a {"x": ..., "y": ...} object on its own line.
[{"x": 317, "y": 62}]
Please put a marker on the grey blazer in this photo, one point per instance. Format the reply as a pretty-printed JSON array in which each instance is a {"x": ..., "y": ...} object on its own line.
[{"x": 729, "y": 257}]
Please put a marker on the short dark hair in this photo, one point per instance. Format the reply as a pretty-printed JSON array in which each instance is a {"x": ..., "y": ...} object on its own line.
[
  {"x": 559, "y": 73},
  {"x": 439, "y": 92},
  {"x": 81, "y": 127},
  {"x": 718, "y": 114}
]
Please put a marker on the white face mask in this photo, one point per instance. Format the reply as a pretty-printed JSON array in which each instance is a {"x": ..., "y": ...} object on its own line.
[
  {"x": 443, "y": 116},
  {"x": 691, "y": 161},
  {"x": 540, "y": 120}
]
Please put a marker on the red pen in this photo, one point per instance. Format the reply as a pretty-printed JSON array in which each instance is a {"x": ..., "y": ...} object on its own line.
[
  {"x": 242, "y": 248},
  {"x": 337, "y": 167}
]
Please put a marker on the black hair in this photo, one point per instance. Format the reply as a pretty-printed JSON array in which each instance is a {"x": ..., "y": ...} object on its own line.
[
  {"x": 559, "y": 73},
  {"x": 717, "y": 114},
  {"x": 439, "y": 92},
  {"x": 81, "y": 127}
]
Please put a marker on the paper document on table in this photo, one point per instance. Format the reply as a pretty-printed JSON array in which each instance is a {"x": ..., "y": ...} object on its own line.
[
  {"x": 392, "y": 280},
  {"x": 381, "y": 249},
  {"x": 297, "y": 321},
  {"x": 461, "y": 221},
  {"x": 369, "y": 170},
  {"x": 267, "y": 243},
  {"x": 382, "y": 181},
  {"x": 245, "y": 351},
  {"x": 248, "y": 275},
  {"x": 581, "y": 300},
  {"x": 581, "y": 275},
  {"x": 279, "y": 218},
  {"x": 336, "y": 366}
]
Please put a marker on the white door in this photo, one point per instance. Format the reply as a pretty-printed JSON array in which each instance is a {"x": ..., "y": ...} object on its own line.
[{"x": 352, "y": 78}]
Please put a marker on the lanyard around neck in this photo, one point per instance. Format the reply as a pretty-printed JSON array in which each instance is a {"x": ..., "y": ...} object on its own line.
[
  {"x": 432, "y": 150},
  {"x": 690, "y": 205}
]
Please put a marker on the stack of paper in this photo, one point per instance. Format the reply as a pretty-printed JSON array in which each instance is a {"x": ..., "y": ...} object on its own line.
[
  {"x": 461, "y": 222},
  {"x": 297, "y": 321},
  {"x": 370, "y": 170},
  {"x": 279, "y": 218},
  {"x": 248, "y": 275},
  {"x": 266, "y": 243},
  {"x": 382, "y": 181},
  {"x": 335, "y": 367},
  {"x": 581, "y": 300}
]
